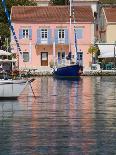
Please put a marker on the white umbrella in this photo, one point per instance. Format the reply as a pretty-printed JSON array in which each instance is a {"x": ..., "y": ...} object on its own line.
[
  {"x": 2, "y": 52},
  {"x": 6, "y": 60}
]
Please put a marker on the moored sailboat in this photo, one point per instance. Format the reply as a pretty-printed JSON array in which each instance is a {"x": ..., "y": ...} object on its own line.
[
  {"x": 10, "y": 88},
  {"x": 71, "y": 69}
]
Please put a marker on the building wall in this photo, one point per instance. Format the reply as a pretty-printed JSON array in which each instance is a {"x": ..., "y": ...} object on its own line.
[
  {"x": 106, "y": 30},
  {"x": 35, "y": 49},
  {"x": 92, "y": 3}
]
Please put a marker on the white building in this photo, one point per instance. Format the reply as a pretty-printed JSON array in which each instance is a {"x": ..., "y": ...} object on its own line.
[{"x": 92, "y": 3}]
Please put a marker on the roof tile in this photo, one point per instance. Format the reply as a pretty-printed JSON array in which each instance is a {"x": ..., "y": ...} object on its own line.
[
  {"x": 50, "y": 14},
  {"x": 110, "y": 13}
]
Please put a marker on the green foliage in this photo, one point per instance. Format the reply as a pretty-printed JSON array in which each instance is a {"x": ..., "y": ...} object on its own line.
[
  {"x": 58, "y": 2},
  {"x": 108, "y": 1},
  {"x": 4, "y": 27},
  {"x": 4, "y": 30},
  {"x": 93, "y": 49}
]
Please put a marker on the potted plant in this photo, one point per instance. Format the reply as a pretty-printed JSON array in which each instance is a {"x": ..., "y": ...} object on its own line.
[{"x": 94, "y": 51}]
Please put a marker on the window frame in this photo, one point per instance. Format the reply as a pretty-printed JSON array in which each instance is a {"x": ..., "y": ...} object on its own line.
[
  {"x": 61, "y": 36},
  {"x": 44, "y": 35},
  {"x": 25, "y": 33},
  {"x": 27, "y": 58},
  {"x": 61, "y": 56}
]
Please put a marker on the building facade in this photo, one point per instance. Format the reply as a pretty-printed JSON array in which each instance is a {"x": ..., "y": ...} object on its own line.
[
  {"x": 107, "y": 25},
  {"x": 106, "y": 34},
  {"x": 46, "y": 35}
]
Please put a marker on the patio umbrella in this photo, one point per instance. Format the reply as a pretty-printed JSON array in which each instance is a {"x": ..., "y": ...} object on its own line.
[{"x": 2, "y": 52}]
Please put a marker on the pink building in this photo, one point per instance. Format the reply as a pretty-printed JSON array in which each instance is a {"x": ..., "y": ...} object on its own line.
[{"x": 45, "y": 34}]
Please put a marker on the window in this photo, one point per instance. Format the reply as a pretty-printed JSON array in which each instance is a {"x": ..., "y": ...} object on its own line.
[
  {"x": 80, "y": 58},
  {"x": 61, "y": 36},
  {"x": 25, "y": 56},
  {"x": 44, "y": 35},
  {"x": 25, "y": 33},
  {"x": 44, "y": 56},
  {"x": 79, "y": 33},
  {"x": 61, "y": 57},
  {"x": 79, "y": 55}
]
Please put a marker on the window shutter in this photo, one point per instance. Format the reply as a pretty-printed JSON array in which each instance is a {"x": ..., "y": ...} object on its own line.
[
  {"x": 49, "y": 36},
  {"x": 30, "y": 34},
  {"x": 39, "y": 36},
  {"x": 79, "y": 33},
  {"x": 20, "y": 34},
  {"x": 56, "y": 36},
  {"x": 66, "y": 36}
]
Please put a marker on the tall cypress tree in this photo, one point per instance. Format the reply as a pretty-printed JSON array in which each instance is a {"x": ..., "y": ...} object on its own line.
[{"x": 59, "y": 2}]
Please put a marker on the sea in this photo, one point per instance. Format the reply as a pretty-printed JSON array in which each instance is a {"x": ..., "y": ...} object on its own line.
[{"x": 61, "y": 117}]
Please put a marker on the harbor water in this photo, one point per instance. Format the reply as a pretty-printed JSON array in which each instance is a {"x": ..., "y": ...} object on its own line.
[{"x": 67, "y": 117}]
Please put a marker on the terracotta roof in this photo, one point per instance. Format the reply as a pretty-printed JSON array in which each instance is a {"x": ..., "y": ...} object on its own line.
[
  {"x": 110, "y": 13},
  {"x": 49, "y": 14}
]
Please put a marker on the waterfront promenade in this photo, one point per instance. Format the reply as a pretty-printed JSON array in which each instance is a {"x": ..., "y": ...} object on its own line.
[{"x": 45, "y": 70}]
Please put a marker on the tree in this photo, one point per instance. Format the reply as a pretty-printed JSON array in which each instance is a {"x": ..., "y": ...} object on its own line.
[
  {"x": 94, "y": 51},
  {"x": 4, "y": 27},
  {"x": 59, "y": 2},
  {"x": 108, "y": 1}
]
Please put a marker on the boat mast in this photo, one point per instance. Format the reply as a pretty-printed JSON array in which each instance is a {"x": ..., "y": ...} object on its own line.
[
  {"x": 70, "y": 25},
  {"x": 75, "y": 38}
]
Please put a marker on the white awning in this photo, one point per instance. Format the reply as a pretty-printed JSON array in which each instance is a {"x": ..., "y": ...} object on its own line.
[
  {"x": 2, "y": 52},
  {"x": 6, "y": 60},
  {"x": 106, "y": 51}
]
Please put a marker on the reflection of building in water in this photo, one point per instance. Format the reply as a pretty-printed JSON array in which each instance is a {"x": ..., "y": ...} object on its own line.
[
  {"x": 85, "y": 116},
  {"x": 69, "y": 117},
  {"x": 105, "y": 98}
]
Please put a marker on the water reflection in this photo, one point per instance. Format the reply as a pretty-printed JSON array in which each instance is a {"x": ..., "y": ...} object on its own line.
[{"x": 75, "y": 117}]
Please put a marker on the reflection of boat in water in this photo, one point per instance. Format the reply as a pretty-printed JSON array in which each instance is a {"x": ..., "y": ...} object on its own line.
[
  {"x": 13, "y": 108},
  {"x": 11, "y": 89}
]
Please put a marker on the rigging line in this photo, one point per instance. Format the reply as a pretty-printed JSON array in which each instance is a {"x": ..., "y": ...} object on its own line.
[
  {"x": 31, "y": 87},
  {"x": 12, "y": 29},
  {"x": 75, "y": 35},
  {"x": 13, "y": 32},
  {"x": 11, "y": 26}
]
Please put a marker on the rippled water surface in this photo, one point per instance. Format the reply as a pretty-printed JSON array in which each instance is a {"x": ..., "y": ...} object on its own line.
[{"x": 76, "y": 117}]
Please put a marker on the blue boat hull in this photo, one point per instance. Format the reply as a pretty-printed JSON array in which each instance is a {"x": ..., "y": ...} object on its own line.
[{"x": 68, "y": 71}]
